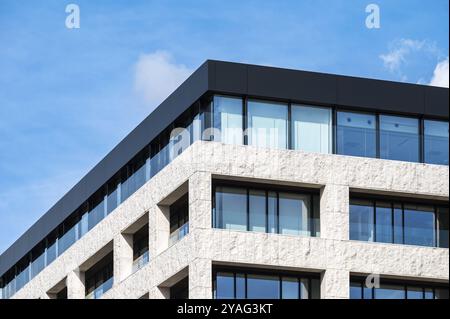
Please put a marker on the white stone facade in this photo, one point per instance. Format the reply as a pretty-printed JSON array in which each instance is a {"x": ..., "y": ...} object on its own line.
[{"x": 332, "y": 254}]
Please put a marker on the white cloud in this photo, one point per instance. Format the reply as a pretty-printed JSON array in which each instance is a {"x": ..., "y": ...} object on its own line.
[
  {"x": 440, "y": 74},
  {"x": 396, "y": 57},
  {"x": 157, "y": 76}
]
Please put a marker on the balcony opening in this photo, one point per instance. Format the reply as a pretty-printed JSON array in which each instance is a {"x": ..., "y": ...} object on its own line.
[
  {"x": 179, "y": 219},
  {"x": 180, "y": 290},
  {"x": 140, "y": 248},
  {"x": 59, "y": 291},
  {"x": 98, "y": 273}
]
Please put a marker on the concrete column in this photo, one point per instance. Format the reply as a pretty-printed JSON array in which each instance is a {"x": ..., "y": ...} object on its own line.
[
  {"x": 335, "y": 284},
  {"x": 123, "y": 256},
  {"x": 159, "y": 230},
  {"x": 200, "y": 279},
  {"x": 75, "y": 285},
  {"x": 334, "y": 212},
  {"x": 200, "y": 200}
]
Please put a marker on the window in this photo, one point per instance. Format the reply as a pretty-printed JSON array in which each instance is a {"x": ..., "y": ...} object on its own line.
[
  {"x": 419, "y": 225},
  {"x": 294, "y": 214},
  {"x": 180, "y": 290},
  {"x": 179, "y": 219},
  {"x": 442, "y": 220},
  {"x": 383, "y": 217},
  {"x": 263, "y": 287},
  {"x": 311, "y": 128},
  {"x": 397, "y": 290},
  {"x": 228, "y": 119},
  {"x": 99, "y": 278},
  {"x": 264, "y": 284},
  {"x": 436, "y": 142},
  {"x": 361, "y": 220},
  {"x": 231, "y": 208},
  {"x": 356, "y": 134},
  {"x": 262, "y": 210},
  {"x": 399, "y": 138},
  {"x": 267, "y": 124},
  {"x": 400, "y": 223},
  {"x": 140, "y": 248},
  {"x": 257, "y": 210}
]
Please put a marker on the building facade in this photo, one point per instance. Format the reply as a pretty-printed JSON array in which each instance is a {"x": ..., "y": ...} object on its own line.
[{"x": 256, "y": 182}]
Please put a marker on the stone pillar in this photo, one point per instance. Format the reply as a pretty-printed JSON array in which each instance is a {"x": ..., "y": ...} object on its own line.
[
  {"x": 335, "y": 284},
  {"x": 123, "y": 256},
  {"x": 159, "y": 229},
  {"x": 200, "y": 201},
  {"x": 75, "y": 285},
  {"x": 334, "y": 212},
  {"x": 200, "y": 279}
]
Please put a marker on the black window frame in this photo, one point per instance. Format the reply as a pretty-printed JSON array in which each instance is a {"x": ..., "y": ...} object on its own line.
[{"x": 267, "y": 188}]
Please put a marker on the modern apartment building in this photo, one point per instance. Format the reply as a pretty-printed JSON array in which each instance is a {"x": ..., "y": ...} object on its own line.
[{"x": 256, "y": 182}]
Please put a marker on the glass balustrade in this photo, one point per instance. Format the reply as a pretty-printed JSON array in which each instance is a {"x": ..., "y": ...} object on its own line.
[
  {"x": 178, "y": 234},
  {"x": 140, "y": 262},
  {"x": 98, "y": 292}
]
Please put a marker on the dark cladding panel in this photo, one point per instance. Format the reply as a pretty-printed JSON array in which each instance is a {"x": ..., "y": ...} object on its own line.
[
  {"x": 228, "y": 78},
  {"x": 436, "y": 102},
  {"x": 294, "y": 85},
  {"x": 381, "y": 96}
]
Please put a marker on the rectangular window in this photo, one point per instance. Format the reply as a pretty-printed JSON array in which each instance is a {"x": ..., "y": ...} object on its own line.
[
  {"x": 356, "y": 134},
  {"x": 311, "y": 128},
  {"x": 263, "y": 287},
  {"x": 436, "y": 142},
  {"x": 257, "y": 211},
  {"x": 383, "y": 217},
  {"x": 267, "y": 124},
  {"x": 361, "y": 220},
  {"x": 399, "y": 223},
  {"x": 419, "y": 225},
  {"x": 399, "y": 138},
  {"x": 442, "y": 216},
  {"x": 294, "y": 214},
  {"x": 261, "y": 210},
  {"x": 231, "y": 208},
  {"x": 264, "y": 284},
  {"x": 290, "y": 288},
  {"x": 396, "y": 289},
  {"x": 228, "y": 120}
]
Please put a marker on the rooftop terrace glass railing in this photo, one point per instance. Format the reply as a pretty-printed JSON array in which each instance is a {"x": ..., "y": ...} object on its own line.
[{"x": 89, "y": 220}]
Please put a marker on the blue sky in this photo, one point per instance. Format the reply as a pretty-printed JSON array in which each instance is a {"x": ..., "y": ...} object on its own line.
[{"x": 68, "y": 96}]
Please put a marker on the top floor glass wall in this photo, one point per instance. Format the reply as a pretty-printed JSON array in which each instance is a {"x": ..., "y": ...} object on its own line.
[{"x": 237, "y": 120}]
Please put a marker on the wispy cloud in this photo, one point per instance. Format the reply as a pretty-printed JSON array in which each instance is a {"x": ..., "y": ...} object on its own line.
[
  {"x": 440, "y": 74},
  {"x": 400, "y": 51},
  {"x": 157, "y": 75}
]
